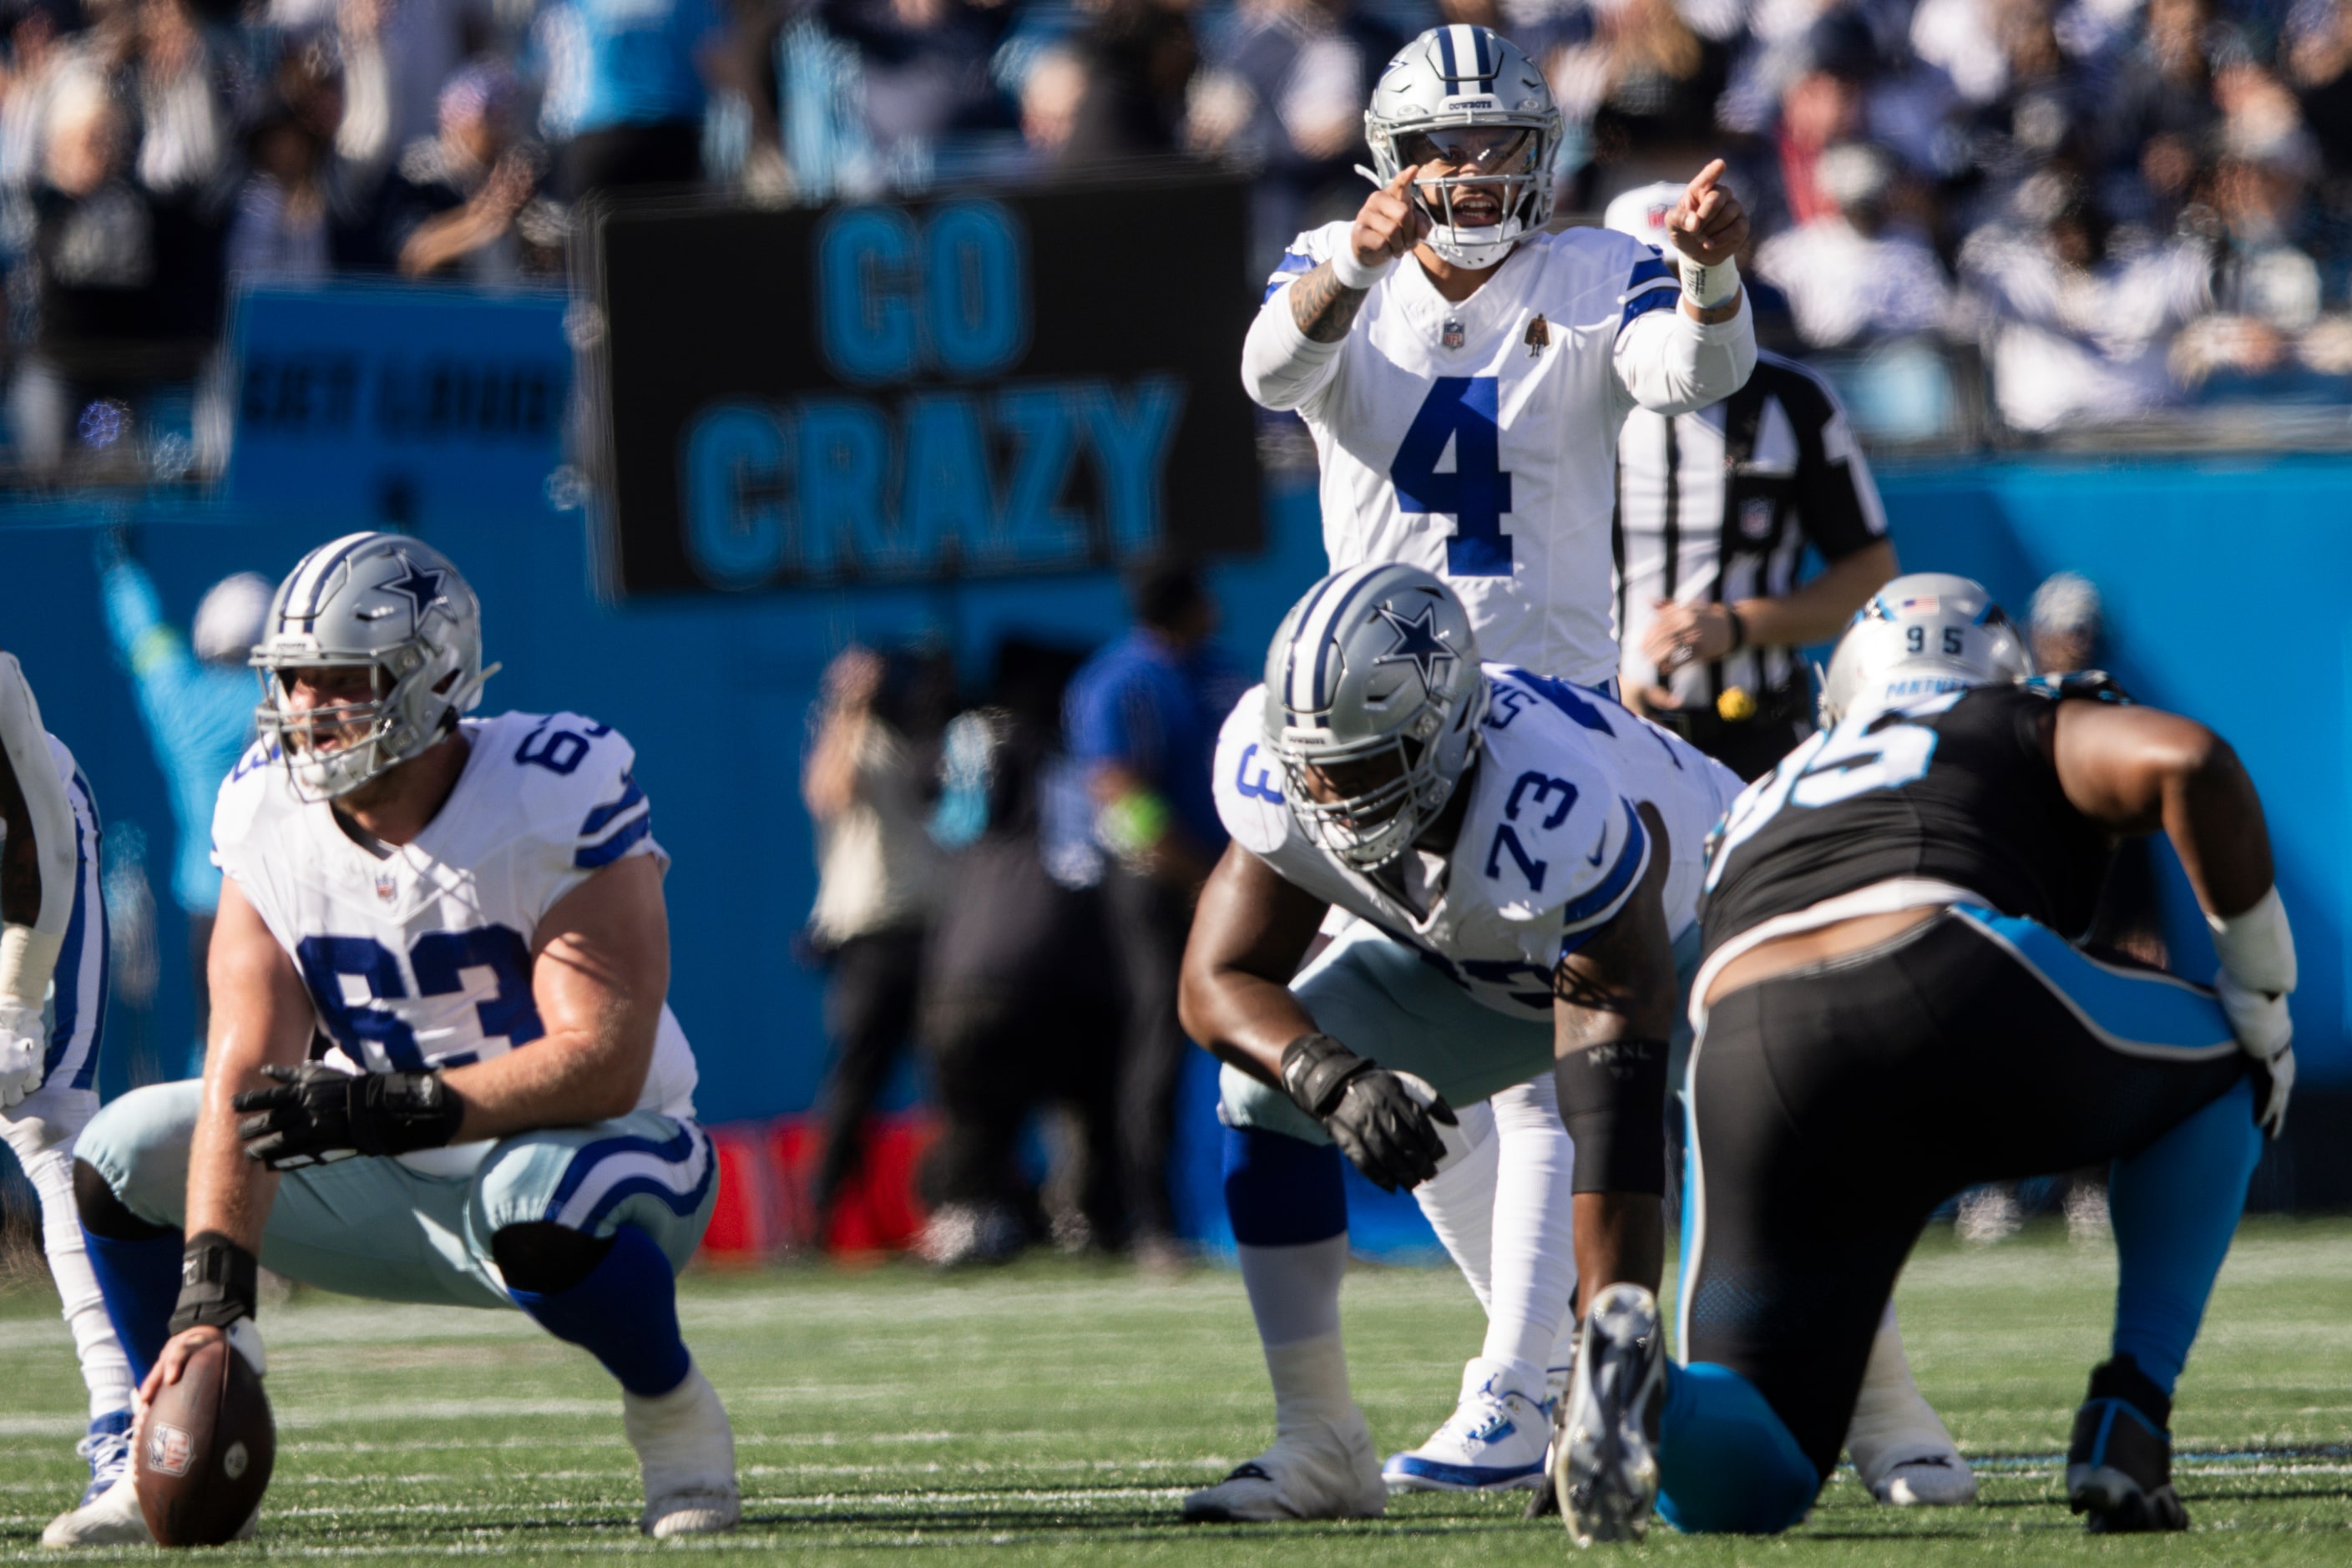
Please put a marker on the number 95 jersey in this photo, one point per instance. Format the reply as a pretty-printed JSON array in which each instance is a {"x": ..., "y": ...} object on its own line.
[
  {"x": 1551, "y": 845},
  {"x": 419, "y": 956}
]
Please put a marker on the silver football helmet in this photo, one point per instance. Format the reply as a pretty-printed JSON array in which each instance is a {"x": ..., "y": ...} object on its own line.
[
  {"x": 1373, "y": 674},
  {"x": 1471, "y": 98},
  {"x": 394, "y": 606},
  {"x": 1919, "y": 635}
]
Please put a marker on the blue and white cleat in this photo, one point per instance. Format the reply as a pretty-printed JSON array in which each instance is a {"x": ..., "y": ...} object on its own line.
[
  {"x": 107, "y": 1449},
  {"x": 1604, "y": 1456},
  {"x": 1494, "y": 1441}
]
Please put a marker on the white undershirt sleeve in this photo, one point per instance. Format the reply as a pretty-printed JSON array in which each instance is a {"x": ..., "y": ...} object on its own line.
[
  {"x": 1282, "y": 368},
  {"x": 28, "y": 954},
  {"x": 1670, "y": 363}
]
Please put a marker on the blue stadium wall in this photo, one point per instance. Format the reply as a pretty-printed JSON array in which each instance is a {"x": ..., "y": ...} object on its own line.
[{"x": 2225, "y": 581}]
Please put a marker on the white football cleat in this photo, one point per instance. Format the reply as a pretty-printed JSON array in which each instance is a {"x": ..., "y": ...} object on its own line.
[
  {"x": 1494, "y": 1441},
  {"x": 687, "y": 1452},
  {"x": 1900, "y": 1449},
  {"x": 1318, "y": 1470},
  {"x": 1604, "y": 1457},
  {"x": 1926, "y": 1480},
  {"x": 110, "y": 1519}
]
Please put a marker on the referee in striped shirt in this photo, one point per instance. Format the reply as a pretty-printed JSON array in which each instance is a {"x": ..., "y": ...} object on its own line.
[{"x": 1714, "y": 510}]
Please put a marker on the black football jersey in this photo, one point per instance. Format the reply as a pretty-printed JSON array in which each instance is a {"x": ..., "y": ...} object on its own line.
[{"x": 1956, "y": 787}]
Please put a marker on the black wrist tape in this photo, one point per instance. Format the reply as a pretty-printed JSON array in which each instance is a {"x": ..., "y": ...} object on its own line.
[
  {"x": 1613, "y": 1098},
  {"x": 1315, "y": 1073},
  {"x": 219, "y": 1283}
]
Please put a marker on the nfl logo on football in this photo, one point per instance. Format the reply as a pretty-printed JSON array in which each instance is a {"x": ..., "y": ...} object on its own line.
[{"x": 168, "y": 1450}]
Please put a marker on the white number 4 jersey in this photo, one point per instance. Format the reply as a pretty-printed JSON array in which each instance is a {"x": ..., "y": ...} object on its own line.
[
  {"x": 420, "y": 955},
  {"x": 1479, "y": 440},
  {"x": 1551, "y": 845}
]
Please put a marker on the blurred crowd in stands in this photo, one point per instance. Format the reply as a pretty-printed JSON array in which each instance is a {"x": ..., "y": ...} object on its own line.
[{"x": 2124, "y": 206}]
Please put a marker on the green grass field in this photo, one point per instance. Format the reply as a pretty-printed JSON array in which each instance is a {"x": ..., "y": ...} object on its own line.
[{"x": 1056, "y": 1413}]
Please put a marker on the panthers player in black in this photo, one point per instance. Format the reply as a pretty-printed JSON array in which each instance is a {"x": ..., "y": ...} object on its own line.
[{"x": 1890, "y": 1011}]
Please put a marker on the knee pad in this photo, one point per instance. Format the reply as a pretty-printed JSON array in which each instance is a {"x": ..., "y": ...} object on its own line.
[
  {"x": 103, "y": 1213},
  {"x": 1282, "y": 1191},
  {"x": 544, "y": 1258}
]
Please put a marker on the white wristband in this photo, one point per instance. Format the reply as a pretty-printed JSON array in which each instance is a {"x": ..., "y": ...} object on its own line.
[
  {"x": 2256, "y": 948},
  {"x": 1353, "y": 274},
  {"x": 27, "y": 959},
  {"x": 1707, "y": 286}
]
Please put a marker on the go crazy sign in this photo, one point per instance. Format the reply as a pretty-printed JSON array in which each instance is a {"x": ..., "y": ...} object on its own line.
[{"x": 979, "y": 385}]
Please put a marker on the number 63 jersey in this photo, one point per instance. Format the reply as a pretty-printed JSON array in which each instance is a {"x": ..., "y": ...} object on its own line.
[
  {"x": 1550, "y": 846},
  {"x": 419, "y": 956}
]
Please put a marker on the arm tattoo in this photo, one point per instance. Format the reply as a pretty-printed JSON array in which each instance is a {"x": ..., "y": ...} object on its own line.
[{"x": 1323, "y": 307}]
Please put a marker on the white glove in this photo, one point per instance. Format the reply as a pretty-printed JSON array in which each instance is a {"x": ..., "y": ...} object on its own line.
[
  {"x": 24, "y": 1042},
  {"x": 2265, "y": 1033}
]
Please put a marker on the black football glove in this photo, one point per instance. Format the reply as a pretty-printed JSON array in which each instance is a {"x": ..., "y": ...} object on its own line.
[
  {"x": 1387, "y": 1133},
  {"x": 317, "y": 1112}
]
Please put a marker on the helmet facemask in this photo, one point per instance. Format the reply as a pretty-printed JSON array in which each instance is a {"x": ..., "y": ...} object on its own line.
[
  {"x": 1471, "y": 101},
  {"x": 1501, "y": 178},
  {"x": 1373, "y": 825},
  {"x": 380, "y": 603}
]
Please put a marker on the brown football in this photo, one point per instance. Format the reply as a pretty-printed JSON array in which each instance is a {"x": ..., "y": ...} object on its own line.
[{"x": 204, "y": 1451}]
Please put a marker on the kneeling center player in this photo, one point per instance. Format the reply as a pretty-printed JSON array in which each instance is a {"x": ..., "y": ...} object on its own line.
[
  {"x": 471, "y": 912},
  {"x": 1890, "y": 1011}
]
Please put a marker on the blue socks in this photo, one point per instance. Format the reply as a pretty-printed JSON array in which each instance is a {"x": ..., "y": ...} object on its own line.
[
  {"x": 1730, "y": 1463},
  {"x": 1282, "y": 1191},
  {"x": 141, "y": 1282},
  {"x": 624, "y": 1312},
  {"x": 2175, "y": 1205}
]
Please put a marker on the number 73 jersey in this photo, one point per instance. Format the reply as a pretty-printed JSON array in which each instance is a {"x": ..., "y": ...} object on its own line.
[
  {"x": 1550, "y": 847},
  {"x": 420, "y": 955},
  {"x": 1479, "y": 440}
]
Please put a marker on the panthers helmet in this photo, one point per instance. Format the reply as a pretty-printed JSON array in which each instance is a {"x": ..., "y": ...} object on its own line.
[
  {"x": 393, "y": 605},
  {"x": 1377, "y": 661},
  {"x": 1461, "y": 77},
  {"x": 1919, "y": 635}
]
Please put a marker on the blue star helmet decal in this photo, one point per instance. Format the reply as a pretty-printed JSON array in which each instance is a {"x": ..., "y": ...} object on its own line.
[
  {"x": 423, "y": 586},
  {"x": 1417, "y": 644}
]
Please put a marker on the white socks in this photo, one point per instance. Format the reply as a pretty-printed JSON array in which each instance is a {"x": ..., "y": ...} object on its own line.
[
  {"x": 1294, "y": 1294},
  {"x": 104, "y": 1368},
  {"x": 1893, "y": 1421},
  {"x": 1504, "y": 1212}
]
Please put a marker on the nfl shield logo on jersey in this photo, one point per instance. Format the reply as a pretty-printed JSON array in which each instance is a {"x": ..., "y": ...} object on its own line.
[
  {"x": 1756, "y": 517},
  {"x": 1453, "y": 336}
]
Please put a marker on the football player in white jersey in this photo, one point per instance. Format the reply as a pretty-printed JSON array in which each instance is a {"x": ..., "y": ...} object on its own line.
[
  {"x": 467, "y": 915},
  {"x": 1520, "y": 854},
  {"x": 1464, "y": 372},
  {"x": 55, "y": 930}
]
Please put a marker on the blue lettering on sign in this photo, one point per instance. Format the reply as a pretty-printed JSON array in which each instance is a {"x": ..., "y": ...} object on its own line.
[
  {"x": 1031, "y": 530},
  {"x": 975, "y": 288},
  {"x": 1258, "y": 788},
  {"x": 1460, "y": 412},
  {"x": 953, "y": 297},
  {"x": 836, "y": 487},
  {"x": 736, "y": 457},
  {"x": 865, "y": 324},
  {"x": 1133, "y": 443}
]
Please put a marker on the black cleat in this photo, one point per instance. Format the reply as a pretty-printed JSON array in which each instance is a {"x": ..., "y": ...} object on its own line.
[{"x": 2119, "y": 1462}]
